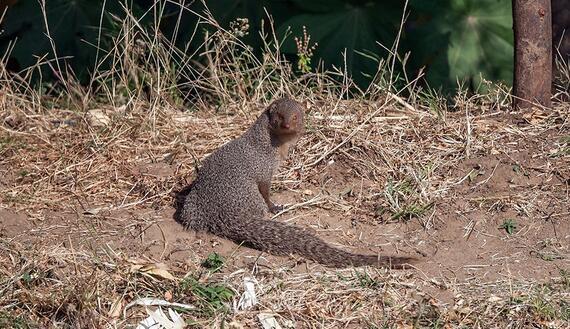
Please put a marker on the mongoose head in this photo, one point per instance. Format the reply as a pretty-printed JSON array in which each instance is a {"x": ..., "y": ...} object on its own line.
[{"x": 286, "y": 117}]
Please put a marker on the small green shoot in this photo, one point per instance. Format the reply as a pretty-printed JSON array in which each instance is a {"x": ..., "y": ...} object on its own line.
[
  {"x": 509, "y": 225},
  {"x": 404, "y": 200},
  {"x": 11, "y": 143},
  {"x": 380, "y": 210},
  {"x": 435, "y": 101},
  {"x": 520, "y": 170},
  {"x": 548, "y": 255},
  {"x": 412, "y": 211},
  {"x": 365, "y": 280},
  {"x": 517, "y": 168},
  {"x": 543, "y": 307},
  {"x": 565, "y": 275},
  {"x": 304, "y": 52},
  {"x": 563, "y": 149},
  {"x": 4, "y": 142},
  {"x": 565, "y": 310},
  {"x": 211, "y": 297},
  {"x": 214, "y": 262},
  {"x": 8, "y": 320},
  {"x": 27, "y": 277}
]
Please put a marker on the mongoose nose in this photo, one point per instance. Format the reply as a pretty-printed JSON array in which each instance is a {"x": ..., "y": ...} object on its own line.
[{"x": 286, "y": 126}]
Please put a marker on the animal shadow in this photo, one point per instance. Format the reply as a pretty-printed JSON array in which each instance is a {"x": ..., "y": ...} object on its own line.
[{"x": 178, "y": 202}]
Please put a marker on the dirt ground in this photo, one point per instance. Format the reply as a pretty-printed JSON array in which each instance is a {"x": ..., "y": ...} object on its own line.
[{"x": 514, "y": 174}]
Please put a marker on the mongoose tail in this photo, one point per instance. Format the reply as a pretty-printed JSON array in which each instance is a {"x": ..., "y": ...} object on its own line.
[{"x": 281, "y": 239}]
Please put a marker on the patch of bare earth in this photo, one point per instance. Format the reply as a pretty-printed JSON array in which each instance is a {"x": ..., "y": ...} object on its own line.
[{"x": 86, "y": 218}]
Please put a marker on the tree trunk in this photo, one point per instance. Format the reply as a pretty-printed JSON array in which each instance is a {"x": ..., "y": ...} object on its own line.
[{"x": 532, "y": 23}]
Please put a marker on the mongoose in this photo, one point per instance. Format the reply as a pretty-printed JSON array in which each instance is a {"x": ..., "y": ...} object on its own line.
[{"x": 230, "y": 195}]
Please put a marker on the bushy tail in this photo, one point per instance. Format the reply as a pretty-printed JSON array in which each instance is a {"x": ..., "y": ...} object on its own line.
[{"x": 281, "y": 239}]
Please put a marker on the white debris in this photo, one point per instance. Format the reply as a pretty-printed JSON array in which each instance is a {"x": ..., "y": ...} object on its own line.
[
  {"x": 268, "y": 321},
  {"x": 248, "y": 299},
  {"x": 159, "y": 320},
  {"x": 98, "y": 118}
]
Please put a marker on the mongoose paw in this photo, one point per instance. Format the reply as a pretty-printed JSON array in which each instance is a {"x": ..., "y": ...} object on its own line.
[{"x": 276, "y": 208}]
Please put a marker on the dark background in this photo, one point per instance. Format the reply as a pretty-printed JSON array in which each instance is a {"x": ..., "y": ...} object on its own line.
[{"x": 456, "y": 40}]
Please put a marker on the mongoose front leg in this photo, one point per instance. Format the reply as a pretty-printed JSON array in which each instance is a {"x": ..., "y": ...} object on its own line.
[{"x": 264, "y": 190}]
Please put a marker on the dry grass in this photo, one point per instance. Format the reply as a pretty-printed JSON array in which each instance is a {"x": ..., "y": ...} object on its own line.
[{"x": 83, "y": 151}]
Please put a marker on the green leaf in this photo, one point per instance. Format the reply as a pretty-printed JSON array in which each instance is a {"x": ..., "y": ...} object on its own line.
[
  {"x": 509, "y": 225},
  {"x": 476, "y": 36},
  {"x": 352, "y": 25},
  {"x": 72, "y": 25},
  {"x": 213, "y": 262}
]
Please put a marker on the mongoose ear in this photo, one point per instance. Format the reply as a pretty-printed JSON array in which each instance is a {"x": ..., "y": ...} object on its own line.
[{"x": 271, "y": 108}]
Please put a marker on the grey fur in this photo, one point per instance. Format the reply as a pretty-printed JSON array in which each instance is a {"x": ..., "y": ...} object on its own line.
[{"x": 227, "y": 198}]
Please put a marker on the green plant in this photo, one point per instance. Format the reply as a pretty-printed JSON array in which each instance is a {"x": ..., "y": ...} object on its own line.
[
  {"x": 427, "y": 315},
  {"x": 412, "y": 211},
  {"x": 404, "y": 200},
  {"x": 71, "y": 29},
  {"x": 465, "y": 40},
  {"x": 5, "y": 142},
  {"x": 304, "y": 52},
  {"x": 563, "y": 147},
  {"x": 11, "y": 144},
  {"x": 435, "y": 101},
  {"x": 520, "y": 170},
  {"x": 345, "y": 30},
  {"x": 211, "y": 297},
  {"x": 565, "y": 275},
  {"x": 365, "y": 280},
  {"x": 565, "y": 310},
  {"x": 509, "y": 225},
  {"x": 543, "y": 307},
  {"x": 8, "y": 320},
  {"x": 213, "y": 262}
]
